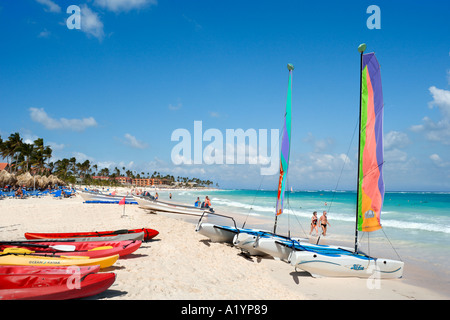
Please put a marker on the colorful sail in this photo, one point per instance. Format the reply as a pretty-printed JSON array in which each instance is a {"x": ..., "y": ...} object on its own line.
[
  {"x": 370, "y": 180},
  {"x": 285, "y": 146}
]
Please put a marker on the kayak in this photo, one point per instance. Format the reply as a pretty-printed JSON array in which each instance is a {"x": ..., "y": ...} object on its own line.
[
  {"x": 48, "y": 270},
  {"x": 148, "y": 234},
  {"x": 93, "y": 249},
  {"x": 120, "y": 237},
  {"x": 40, "y": 260},
  {"x": 53, "y": 286}
]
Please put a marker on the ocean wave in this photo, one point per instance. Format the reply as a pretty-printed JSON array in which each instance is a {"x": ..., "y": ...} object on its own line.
[
  {"x": 416, "y": 226},
  {"x": 236, "y": 204}
]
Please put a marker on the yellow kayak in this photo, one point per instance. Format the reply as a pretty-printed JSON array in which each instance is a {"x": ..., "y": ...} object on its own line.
[{"x": 38, "y": 260}]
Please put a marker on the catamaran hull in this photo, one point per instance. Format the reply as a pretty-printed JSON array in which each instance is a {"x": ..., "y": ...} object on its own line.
[
  {"x": 282, "y": 249},
  {"x": 217, "y": 233},
  {"x": 274, "y": 248},
  {"x": 321, "y": 265},
  {"x": 265, "y": 244},
  {"x": 248, "y": 243}
]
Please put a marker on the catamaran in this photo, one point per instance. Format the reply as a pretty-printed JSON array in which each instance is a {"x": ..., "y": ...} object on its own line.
[
  {"x": 370, "y": 190},
  {"x": 248, "y": 241},
  {"x": 245, "y": 238}
]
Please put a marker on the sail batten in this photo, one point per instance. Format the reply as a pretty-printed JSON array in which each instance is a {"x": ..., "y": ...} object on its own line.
[{"x": 370, "y": 180}]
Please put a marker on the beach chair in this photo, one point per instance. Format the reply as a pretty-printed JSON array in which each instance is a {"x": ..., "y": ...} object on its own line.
[{"x": 57, "y": 194}]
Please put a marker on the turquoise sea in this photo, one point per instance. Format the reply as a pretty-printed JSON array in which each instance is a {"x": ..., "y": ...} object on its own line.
[{"x": 416, "y": 225}]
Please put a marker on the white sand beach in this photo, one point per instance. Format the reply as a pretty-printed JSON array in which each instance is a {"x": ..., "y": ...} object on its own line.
[{"x": 182, "y": 264}]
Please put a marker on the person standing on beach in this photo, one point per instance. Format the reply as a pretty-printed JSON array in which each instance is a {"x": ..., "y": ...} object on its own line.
[
  {"x": 314, "y": 223},
  {"x": 324, "y": 223}
]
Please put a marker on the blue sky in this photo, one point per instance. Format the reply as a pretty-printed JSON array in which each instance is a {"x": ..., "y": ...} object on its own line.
[{"x": 115, "y": 90}]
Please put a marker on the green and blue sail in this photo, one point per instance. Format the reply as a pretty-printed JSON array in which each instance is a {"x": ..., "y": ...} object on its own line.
[{"x": 285, "y": 146}]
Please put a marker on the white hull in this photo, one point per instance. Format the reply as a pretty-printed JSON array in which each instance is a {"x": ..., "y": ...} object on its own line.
[
  {"x": 155, "y": 205},
  {"x": 322, "y": 265},
  {"x": 248, "y": 242},
  {"x": 273, "y": 248},
  {"x": 263, "y": 245},
  {"x": 216, "y": 233},
  {"x": 93, "y": 197},
  {"x": 279, "y": 250}
]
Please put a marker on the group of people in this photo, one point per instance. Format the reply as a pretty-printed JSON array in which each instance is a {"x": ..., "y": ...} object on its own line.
[
  {"x": 323, "y": 221},
  {"x": 204, "y": 204}
]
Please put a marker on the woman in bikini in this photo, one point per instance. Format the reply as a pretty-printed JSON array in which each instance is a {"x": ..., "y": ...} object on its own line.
[{"x": 314, "y": 223}]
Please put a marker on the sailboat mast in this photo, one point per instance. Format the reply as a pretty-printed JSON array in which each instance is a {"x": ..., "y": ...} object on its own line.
[
  {"x": 361, "y": 49},
  {"x": 285, "y": 150}
]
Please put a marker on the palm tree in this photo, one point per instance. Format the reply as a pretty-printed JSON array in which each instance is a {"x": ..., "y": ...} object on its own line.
[
  {"x": 26, "y": 152},
  {"x": 38, "y": 154},
  {"x": 62, "y": 168},
  {"x": 14, "y": 145},
  {"x": 47, "y": 153},
  {"x": 85, "y": 167}
]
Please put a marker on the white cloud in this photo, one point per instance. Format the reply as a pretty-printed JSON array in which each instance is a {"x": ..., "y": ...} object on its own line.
[
  {"x": 56, "y": 146},
  {"x": 81, "y": 157},
  {"x": 319, "y": 145},
  {"x": 133, "y": 142},
  {"x": 437, "y": 130},
  {"x": 395, "y": 140},
  {"x": 44, "y": 34},
  {"x": 124, "y": 5},
  {"x": 175, "y": 107},
  {"x": 437, "y": 160},
  {"x": 40, "y": 116},
  {"x": 91, "y": 23},
  {"x": 50, "y": 5}
]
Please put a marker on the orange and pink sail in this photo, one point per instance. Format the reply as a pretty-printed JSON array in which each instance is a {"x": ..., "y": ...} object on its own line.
[{"x": 370, "y": 179}]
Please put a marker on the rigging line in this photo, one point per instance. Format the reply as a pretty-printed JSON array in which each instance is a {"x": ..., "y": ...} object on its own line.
[
  {"x": 280, "y": 134},
  {"x": 391, "y": 245},
  {"x": 373, "y": 169},
  {"x": 298, "y": 221},
  {"x": 342, "y": 169},
  {"x": 254, "y": 198}
]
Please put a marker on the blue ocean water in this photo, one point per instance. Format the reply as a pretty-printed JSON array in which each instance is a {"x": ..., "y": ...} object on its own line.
[{"x": 416, "y": 225}]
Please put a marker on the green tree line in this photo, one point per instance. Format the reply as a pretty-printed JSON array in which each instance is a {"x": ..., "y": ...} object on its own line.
[{"x": 36, "y": 157}]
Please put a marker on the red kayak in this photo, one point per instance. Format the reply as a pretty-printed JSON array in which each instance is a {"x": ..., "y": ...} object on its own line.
[
  {"x": 92, "y": 249},
  {"x": 83, "y": 270},
  {"x": 148, "y": 234},
  {"x": 53, "y": 286}
]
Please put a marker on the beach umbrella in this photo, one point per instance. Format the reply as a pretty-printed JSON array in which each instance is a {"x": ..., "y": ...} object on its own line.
[
  {"x": 52, "y": 180},
  {"x": 42, "y": 182},
  {"x": 25, "y": 179},
  {"x": 7, "y": 178}
]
